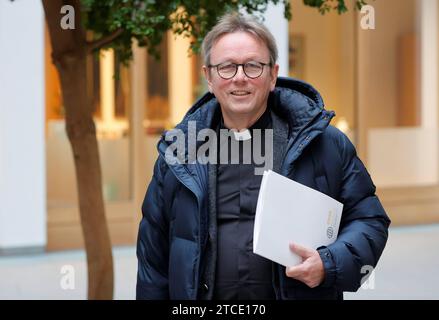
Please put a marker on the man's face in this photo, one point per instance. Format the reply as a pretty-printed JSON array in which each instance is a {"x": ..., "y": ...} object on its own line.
[{"x": 241, "y": 95}]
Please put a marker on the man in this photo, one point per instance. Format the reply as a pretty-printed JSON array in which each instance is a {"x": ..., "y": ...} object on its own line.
[{"x": 195, "y": 237}]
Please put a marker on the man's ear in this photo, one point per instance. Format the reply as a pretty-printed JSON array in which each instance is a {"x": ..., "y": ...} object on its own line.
[
  {"x": 207, "y": 75},
  {"x": 274, "y": 74}
]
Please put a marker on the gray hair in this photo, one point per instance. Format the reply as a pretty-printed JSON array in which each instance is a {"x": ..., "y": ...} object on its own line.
[{"x": 233, "y": 22}]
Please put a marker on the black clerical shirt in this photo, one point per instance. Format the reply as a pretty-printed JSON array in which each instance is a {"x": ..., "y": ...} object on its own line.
[{"x": 240, "y": 274}]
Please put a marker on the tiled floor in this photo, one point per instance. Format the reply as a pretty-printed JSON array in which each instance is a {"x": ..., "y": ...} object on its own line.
[
  {"x": 409, "y": 266},
  {"x": 408, "y": 270},
  {"x": 43, "y": 276}
]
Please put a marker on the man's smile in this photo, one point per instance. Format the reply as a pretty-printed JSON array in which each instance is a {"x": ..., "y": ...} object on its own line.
[{"x": 240, "y": 93}]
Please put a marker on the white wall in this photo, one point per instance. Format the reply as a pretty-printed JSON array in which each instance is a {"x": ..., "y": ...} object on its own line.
[
  {"x": 278, "y": 25},
  {"x": 22, "y": 146}
]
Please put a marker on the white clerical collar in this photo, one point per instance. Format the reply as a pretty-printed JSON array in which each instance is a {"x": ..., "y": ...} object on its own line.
[{"x": 242, "y": 135}]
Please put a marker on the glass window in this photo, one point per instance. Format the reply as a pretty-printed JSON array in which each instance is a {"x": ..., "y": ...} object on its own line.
[
  {"x": 157, "y": 109},
  {"x": 399, "y": 140},
  {"x": 322, "y": 53},
  {"x": 109, "y": 89}
]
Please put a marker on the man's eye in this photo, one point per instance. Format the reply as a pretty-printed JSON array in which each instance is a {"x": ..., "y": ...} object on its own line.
[
  {"x": 252, "y": 65},
  {"x": 226, "y": 67}
]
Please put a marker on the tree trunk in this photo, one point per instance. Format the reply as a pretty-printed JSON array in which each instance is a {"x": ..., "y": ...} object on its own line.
[{"x": 69, "y": 56}]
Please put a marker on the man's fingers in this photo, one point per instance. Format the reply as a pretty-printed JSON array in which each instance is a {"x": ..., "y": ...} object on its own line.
[
  {"x": 295, "y": 271},
  {"x": 302, "y": 251}
]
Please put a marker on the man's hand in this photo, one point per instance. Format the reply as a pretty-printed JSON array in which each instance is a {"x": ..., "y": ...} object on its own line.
[{"x": 311, "y": 270}]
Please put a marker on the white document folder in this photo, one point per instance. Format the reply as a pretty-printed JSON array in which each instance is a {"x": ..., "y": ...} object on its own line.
[{"x": 288, "y": 211}]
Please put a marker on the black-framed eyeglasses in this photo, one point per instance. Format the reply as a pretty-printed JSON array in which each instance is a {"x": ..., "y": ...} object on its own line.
[{"x": 252, "y": 69}]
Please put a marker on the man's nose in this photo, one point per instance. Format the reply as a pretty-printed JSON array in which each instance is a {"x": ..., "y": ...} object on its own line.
[{"x": 240, "y": 74}]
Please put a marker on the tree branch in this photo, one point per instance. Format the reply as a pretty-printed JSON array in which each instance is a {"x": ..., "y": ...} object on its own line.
[{"x": 97, "y": 44}]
